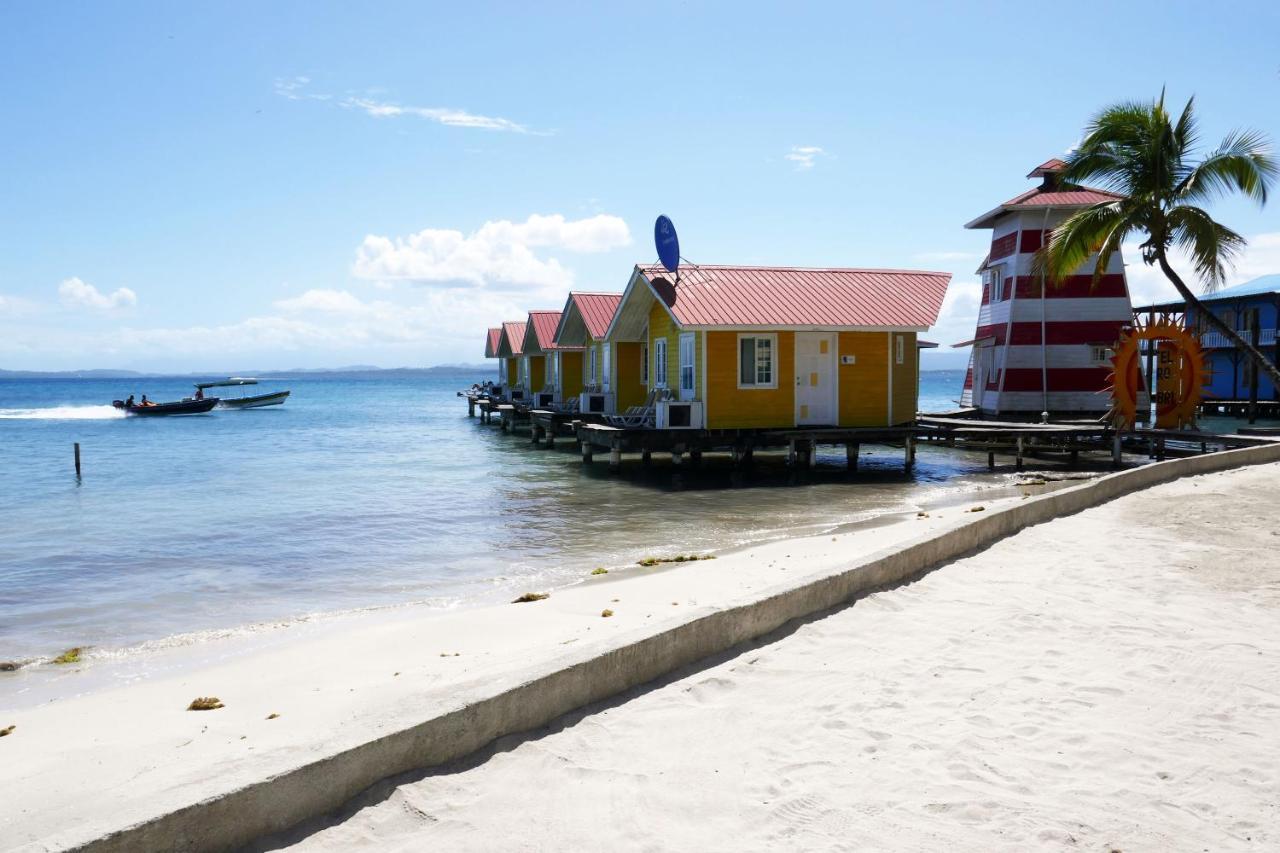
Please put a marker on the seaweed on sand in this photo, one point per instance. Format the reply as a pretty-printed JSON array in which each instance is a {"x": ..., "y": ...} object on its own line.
[
  {"x": 205, "y": 703},
  {"x": 531, "y": 596}
]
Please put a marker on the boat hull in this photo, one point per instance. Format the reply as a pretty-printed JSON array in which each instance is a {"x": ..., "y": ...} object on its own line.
[
  {"x": 255, "y": 402},
  {"x": 183, "y": 407}
]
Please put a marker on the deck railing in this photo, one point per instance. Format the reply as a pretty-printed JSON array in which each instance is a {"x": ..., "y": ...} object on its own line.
[{"x": 1217, "y": 340}]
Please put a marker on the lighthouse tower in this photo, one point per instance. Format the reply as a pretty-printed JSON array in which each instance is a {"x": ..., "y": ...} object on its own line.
[{"x": 1037, "y": 348}]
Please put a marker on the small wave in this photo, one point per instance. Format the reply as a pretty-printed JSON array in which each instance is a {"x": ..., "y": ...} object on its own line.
[{"x": 63, "y": 413}]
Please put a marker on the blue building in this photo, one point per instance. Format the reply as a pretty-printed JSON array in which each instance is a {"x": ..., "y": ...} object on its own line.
[{"x": 1245, "y": 307}]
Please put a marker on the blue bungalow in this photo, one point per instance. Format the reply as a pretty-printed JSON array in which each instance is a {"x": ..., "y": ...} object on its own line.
[{"x": 1244, "y": 307}]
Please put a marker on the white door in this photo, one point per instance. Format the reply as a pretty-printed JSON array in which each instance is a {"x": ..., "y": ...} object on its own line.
[
  {"x": 816, "y": 379},
  {"x": 687, "y": 366},
  {"x": 983, "y": 365}
]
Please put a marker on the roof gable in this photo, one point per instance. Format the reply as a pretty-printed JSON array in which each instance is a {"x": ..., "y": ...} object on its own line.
[
  {"x": 511, "y": 341},
  {"x": 491, "y": 338},
  {"x": 540, "y": 334},
  {"x": 586, "y": 317}
]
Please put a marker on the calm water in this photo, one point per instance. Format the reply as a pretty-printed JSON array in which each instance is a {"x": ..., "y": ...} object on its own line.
[{"x": 356, "y": 493}]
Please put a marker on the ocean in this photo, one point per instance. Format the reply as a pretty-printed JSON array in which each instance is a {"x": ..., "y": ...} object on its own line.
[{"x": 361, "y": 492}]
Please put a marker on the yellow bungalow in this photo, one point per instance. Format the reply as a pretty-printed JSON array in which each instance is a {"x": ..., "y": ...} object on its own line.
[
  {"x": 560, "y": 367},
  {"x": 510, "y": 348},
  {"x": 614, "y": 376},
  {"x": 778, "y": 347}
]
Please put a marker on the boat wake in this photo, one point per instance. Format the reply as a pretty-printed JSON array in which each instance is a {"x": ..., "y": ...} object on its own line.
[{"x": 63, "y": 413}]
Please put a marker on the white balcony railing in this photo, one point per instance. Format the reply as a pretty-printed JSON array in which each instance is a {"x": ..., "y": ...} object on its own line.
[{"x": 1217, "y": 340}]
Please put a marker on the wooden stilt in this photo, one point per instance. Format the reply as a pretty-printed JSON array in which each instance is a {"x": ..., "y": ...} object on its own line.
[
  {"x": 1018, "y": 461},
  {"x": 991, "y": 459},
  {"x": 851, "y": 455},
  {"x": 791, "y": 453},
  {"x": 646, "y": 457},
  {"x": 586, "y": 451},
  {"x": 1115, "y": 451},
  {"x": 695, "y": 457},
  {"x": 615, "y": 460},
  {"x": 535, "y": 433},
  {"x": 909, "y": 453}
]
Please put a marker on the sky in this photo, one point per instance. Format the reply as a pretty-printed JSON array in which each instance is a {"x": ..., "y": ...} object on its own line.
[{"x": 209, "y": 187}]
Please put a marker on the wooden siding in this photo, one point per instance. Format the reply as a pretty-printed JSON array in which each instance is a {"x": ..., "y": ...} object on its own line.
[
  {"x": 662, "y": 326},
  {"x": 571, "y": 374},
  {"x": 626, "y": 375},
  {"x": 864, "y": 385},
  {"x": 729, "y": 407},
  {"x": 537, "y": 372},
  {"x": 905, "y": 379}
]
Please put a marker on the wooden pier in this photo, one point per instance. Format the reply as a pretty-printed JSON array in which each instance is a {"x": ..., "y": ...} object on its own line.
[{"x": 1057, "y": 441}]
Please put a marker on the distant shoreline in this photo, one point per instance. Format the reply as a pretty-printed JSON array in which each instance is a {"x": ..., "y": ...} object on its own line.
[{"x": 296, "y": 372}]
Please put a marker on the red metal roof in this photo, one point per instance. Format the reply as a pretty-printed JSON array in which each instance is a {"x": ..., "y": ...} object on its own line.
[
  {"x": 774, "y": 297},
  {"x": 543, "y": 330},
  {"x": 1053, "y": 164},
  {"x": 491, "y": 342},
  {"x": 597, "y": 310},
  {"x": 513, "y": 331},
  {"x": 1074, "y": 197}
]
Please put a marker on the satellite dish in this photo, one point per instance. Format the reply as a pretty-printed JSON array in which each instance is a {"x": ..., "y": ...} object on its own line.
[{"x": 664, "y": 237}]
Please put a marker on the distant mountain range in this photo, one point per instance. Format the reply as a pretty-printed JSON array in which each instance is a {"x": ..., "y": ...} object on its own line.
[{"x": 351, "y": 370}]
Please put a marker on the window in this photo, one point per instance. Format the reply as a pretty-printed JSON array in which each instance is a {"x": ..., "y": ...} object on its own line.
[
  {"x": 997, "y": 284},
  {"x": 604, "y": 367},
  {"x": 900, "y": 349},
  {"x": 756, "y": 361},
  {"x": 1100, "y": 353},
  {"x": 660, "y": 363},
  {"x": 644, "y": 363},
  {"x": 591, "y": 366},
  {"x": 687, "y": 358},
  {"x": 553, "y": 367}
]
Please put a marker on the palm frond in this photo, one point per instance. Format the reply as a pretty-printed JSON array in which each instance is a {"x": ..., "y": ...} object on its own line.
[
  {"x": 1213, "y": 247},
  {"x": 1078, "y": 237},
  {"x": 1242, "y": 162}
]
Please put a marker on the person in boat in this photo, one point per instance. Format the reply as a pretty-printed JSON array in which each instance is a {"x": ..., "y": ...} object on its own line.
[
  {"x": 145, "y": 401},
  {"x": 129, "y": 402},
  {"x": 199, "y": 393}
]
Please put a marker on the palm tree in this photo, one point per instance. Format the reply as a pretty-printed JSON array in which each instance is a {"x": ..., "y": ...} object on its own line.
[{"x": 1134, "y": 150}]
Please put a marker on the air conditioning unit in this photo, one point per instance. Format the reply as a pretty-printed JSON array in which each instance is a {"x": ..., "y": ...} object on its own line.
[
  {"x": 679, "y": 414},
  {"x": 543, "y": 399},
  {"x": 516, "y": 394},
  {"x": 596, "y": 403}
]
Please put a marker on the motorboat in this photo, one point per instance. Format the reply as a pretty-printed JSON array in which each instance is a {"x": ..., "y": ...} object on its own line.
[
  {"x": 180, "y": 407},
  {"x": 256, "y": 401}
]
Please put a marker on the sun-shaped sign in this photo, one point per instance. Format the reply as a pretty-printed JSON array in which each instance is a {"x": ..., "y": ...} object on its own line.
[{"x": 1180, "y": 374}]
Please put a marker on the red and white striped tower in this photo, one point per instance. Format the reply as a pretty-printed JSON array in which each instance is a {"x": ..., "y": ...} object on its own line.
[{"x": 1043, "y": 349}]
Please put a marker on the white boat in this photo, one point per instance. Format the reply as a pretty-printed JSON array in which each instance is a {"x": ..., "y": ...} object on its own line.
[{"x": 255, "y": 401}]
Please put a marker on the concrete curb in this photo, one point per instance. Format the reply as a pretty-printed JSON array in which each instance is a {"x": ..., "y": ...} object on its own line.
[{"x": 238, "y": 817}]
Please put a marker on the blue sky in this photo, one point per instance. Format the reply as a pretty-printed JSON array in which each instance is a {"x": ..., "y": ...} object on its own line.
[{"x": 302, "y": 184}]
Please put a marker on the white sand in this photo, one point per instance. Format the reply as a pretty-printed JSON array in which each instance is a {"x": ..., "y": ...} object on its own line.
[
  {"x": 1106, "y": 681},
  {"x": 77, "y": 768}
]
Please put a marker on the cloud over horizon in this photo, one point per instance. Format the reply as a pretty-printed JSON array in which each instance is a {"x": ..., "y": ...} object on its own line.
[{"x": 75, "y": 293}]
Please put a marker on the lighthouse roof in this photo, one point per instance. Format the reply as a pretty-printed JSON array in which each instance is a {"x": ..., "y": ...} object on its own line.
[{"x": 1050, "y": 193}]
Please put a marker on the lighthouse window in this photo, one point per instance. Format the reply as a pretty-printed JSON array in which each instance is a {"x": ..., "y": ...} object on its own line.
[
  {"x": 1100, "y": 354},
  {"x": 997, "y": 284}
]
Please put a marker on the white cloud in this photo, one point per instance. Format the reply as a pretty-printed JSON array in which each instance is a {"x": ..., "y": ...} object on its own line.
[
  {"x": 297, "y": 88},
  {"x": 498, "y": 253},
  {"x": 805, "y": 155},
  {"x": 321, "y": 301},
  {"x": 75, "y": 293},
  {"x": 441, "y": 115}
]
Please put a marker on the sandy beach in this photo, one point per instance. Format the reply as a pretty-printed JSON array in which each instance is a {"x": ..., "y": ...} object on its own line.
[{"x": 1106, "y": 681}]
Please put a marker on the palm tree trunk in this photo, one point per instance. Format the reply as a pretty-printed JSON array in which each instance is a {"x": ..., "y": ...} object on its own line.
[{"x": 1218, "y": 324}]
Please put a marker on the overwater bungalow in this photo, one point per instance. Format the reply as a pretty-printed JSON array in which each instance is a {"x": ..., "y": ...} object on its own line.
[
  {"x": 511, "y": 365},
  {"x": 559, "y": 366},
  {"x": 612, "y": 377},
  {"x": 1252, "y": 309},
  {"x": 491, "y": 338},
  {"x": 734, "y": 348}
]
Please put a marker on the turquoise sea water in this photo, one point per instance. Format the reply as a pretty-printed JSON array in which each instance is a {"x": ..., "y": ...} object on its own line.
[{"x": 357, "y": 493}]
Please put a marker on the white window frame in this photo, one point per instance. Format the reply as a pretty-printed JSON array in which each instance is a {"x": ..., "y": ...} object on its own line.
[
  {"x": 773, "y": 361},
  {"x": 900, "y": 349},
  {"x": 659, "y": 373},
  {"x": 592, "y": 367},
  {"x": 606, "y": 375},
  {"x": 553, "y": 369},
  {"x": 995, "y": 282},
  {"x": 644, "y": 364},
  {"x": 688, "y": 341},
  {"x": 1100, "y": 354}
]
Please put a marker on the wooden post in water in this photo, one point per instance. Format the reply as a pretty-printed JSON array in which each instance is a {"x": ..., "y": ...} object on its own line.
[
  {"x": 909, "y": 453},
  {"x": 615, "y": 461},
  {"x": 1115, "y": 451},
  {"x": 1019, "y": 458},
  {"x": 851, "y": 455},
  {"x": 586, "y": 452},
  {"x": 77, "y": 460}
]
